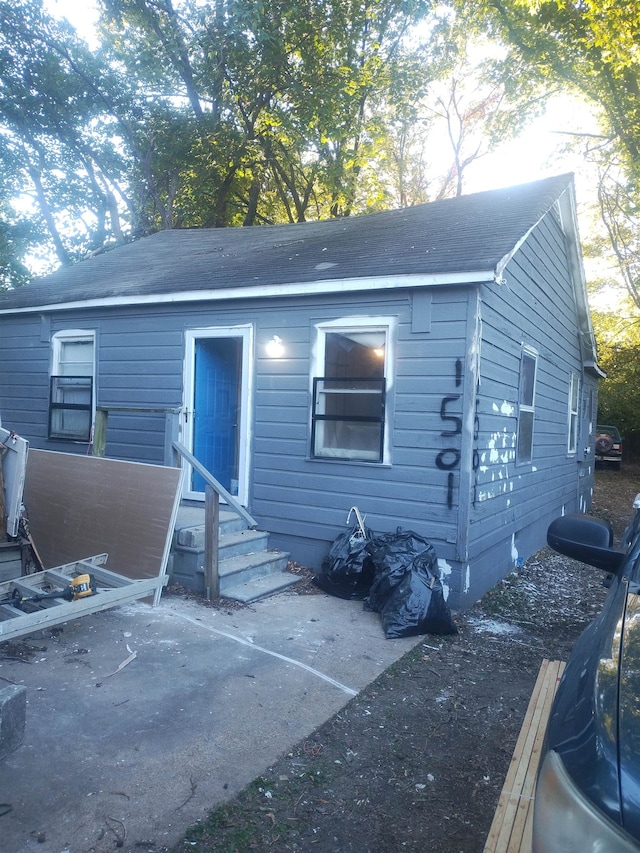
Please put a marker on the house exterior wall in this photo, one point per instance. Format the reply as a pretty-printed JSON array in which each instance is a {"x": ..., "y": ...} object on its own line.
[
  {"x": 452, "y": 409},
  {"x": 302, "y": 502},
  {"x": 512, "y": 503}
]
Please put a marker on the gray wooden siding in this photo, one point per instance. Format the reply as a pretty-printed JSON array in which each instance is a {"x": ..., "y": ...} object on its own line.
[
  {"x": 514, "y": 503},
  {"x": 24, "y": 377},
  {"x": 140, "y": 355},
  {"x": 299, "y": 496}
]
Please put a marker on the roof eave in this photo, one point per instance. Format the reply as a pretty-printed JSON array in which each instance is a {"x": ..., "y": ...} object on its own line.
[
  {"x": 321, "y": 287},
  {"x": 568, "y": 213}
]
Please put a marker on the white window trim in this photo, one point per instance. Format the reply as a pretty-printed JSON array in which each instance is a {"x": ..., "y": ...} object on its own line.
[
  {"x": 524, "y": 407},
  {"x": 573, "y": 425},
  {"x": 246, "y": 333},
  {"x": 351, "y": 324},
  {"x": 72, "y": 335}
]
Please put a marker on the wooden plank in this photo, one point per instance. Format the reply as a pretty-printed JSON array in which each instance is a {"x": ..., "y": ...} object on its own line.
[
  {"x": 524, "y": 815},
  {"x": 3, "y": 510},
  {"x": 211, "y": 529},
  {"x": 500, "y": 832},
  {"x": 510, "y": 830}
]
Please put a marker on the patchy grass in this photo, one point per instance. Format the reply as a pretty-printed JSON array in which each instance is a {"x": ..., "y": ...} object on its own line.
[{"x": 508, "y": 600}]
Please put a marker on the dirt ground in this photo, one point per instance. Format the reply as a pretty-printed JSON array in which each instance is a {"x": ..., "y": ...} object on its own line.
[{"x": 416, "y": 762}]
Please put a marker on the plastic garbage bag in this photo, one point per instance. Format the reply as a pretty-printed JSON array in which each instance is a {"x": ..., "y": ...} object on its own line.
[
  {"x": 347, "y": 570},
  {"x": 407, "y": 590},
  {"x": 392, "y": 555},
  {"x": 417, "y": 604}
]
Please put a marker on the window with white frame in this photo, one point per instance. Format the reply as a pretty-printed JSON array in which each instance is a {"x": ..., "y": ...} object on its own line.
[
  {"x": 526, "y": 408},
  {"x": 574, "y": 411},
  {"x": 349, "y": 391},
  {"x": 71, "y": 398}
]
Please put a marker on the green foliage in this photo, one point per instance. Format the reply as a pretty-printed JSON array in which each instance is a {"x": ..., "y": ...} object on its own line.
[
  {"x": 272, "y": 101},
  {"x": 14, "y": 238},
  {"x": 618, "y": 338},
  {"x": 592, "y": 48},
  {"x": 59, "y": 136}
]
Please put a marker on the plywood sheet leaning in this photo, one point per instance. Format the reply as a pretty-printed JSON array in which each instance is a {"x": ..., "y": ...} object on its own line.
[{"x": 79, "y": 505}]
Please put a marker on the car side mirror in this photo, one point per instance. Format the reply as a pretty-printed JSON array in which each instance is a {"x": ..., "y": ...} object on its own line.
[{"x": 587, "y": 539}]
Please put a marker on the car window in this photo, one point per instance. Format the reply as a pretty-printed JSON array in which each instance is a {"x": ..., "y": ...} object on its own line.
[{"x": 611, "y": 430}]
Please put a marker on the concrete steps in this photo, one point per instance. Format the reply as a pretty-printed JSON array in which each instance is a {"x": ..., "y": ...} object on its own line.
[{"x": 248, "y": 570}]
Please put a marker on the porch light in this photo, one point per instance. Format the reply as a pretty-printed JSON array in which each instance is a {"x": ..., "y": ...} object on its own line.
[{"x": 275, "y": 347}]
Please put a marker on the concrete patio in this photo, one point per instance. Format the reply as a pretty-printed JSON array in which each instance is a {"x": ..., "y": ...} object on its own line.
[{"x": 139, "y": 720}]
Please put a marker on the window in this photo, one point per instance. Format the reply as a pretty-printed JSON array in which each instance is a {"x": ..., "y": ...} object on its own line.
[
  {"x": 528, "y": 365},
  {"x": 71, "y": 402},
  {"x": 349, "y": 392},
  {"x": 574, "y": 407}
]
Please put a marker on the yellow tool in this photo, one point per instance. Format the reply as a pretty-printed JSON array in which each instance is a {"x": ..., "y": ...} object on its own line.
[{"x": 79, "y": 587}]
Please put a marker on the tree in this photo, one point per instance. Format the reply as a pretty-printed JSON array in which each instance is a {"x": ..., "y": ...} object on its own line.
[
  {"x": 56, "y": 133},
  {"x": 15, "y": 237},
  {"x": 235, "y": 112},
  {"x": 618, "y": 338},
  {"x": 619, "y": 202},
  {"x": 280, "y": 96},
  {"x": 590, "y": 46}
]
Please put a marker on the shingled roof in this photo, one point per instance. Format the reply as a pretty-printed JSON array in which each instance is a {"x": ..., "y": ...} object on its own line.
[{"x": 467, "y": 235}]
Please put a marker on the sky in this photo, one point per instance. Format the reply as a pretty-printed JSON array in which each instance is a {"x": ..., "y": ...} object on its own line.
[
  {"x": 538, "y": 151},
  {"x": 83, "y": 14}
]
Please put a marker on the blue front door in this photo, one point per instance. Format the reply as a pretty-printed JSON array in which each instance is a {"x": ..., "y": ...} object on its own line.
[{"x": 216, "y": 416}]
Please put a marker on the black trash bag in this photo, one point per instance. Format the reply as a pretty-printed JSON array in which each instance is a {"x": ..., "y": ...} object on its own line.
[
  {"x": 416, "y": 604},
  {"x": 347, "y": 570},
  {"x": 392, "y": 555}
]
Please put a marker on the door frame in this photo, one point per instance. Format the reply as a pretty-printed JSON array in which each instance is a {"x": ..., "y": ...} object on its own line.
[{"x": 246, "y": 334}]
